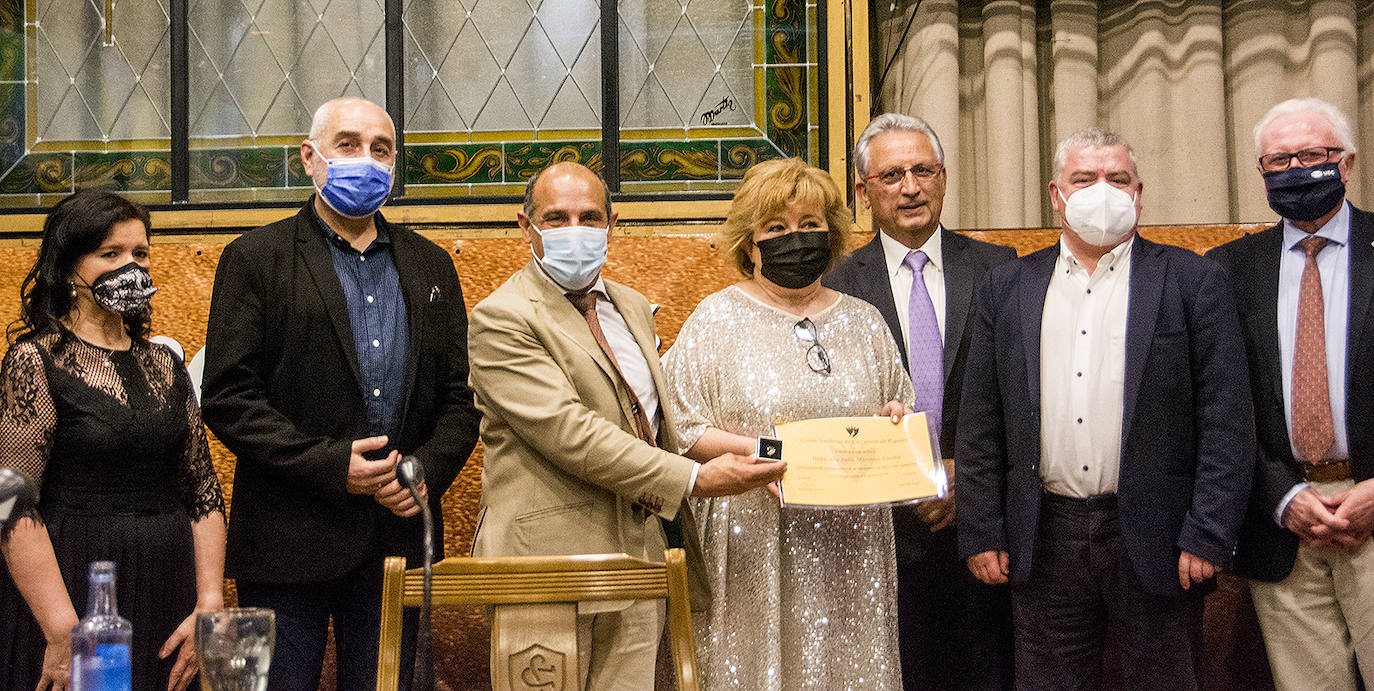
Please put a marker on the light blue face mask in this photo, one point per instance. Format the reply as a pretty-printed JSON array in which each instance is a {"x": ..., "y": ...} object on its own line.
[
  {"x": 573, "y": 255},
  {"x": 355, "y": 187}
]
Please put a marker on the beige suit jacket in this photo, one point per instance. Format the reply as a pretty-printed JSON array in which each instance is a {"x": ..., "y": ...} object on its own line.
[{"x": 564, "y": 471}]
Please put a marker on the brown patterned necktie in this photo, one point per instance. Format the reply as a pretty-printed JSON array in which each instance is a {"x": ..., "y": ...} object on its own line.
[
  {"x": 1313, "y": 429},
  {"x": 585, "y": 302}
]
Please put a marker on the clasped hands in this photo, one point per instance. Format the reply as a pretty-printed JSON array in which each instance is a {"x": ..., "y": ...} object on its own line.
[
  {"x": 1341, "y": 522},
  {"x": 378, "y": 478}
]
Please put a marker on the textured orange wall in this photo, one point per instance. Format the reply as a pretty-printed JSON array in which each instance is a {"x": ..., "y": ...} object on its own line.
[{"x": 674, "y": 271}]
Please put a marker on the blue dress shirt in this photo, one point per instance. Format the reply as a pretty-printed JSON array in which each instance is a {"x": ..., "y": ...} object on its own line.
[{"x": 377, "y": 314}]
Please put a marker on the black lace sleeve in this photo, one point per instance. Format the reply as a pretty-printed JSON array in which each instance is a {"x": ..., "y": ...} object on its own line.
[
  {"x": 27, "y": 414},
  {"x": 200, "y": 490}
]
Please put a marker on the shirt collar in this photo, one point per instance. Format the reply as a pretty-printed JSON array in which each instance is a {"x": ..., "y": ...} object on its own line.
[
  {"x": 1118, "y": 256},
  {"x": 332, "y": 236},
  {"x": 1337, "y": 230},
  {"x": 894, "y": 252}
]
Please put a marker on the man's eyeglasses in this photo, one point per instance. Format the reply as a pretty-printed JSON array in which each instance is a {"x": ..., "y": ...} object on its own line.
[
  {"x": 895, "y": 175},
  {"x": 816, "y": 357},
  {"x": 1310, "y": 156}
]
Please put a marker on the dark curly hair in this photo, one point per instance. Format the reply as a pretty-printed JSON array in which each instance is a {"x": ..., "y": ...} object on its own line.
[{"x": 77, "y": 226}]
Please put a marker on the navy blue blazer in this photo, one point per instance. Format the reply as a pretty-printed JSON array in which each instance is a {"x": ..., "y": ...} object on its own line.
[
  {"x": 1265, "y": 551},
  {"x": 1187, "y": 450}
]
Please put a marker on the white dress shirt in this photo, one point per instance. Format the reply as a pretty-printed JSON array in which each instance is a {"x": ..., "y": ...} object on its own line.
[
  {"x": 899, "y": 276},
  {"x": 1083, "y": 372},
  {"x": 1333, "y": 262}
]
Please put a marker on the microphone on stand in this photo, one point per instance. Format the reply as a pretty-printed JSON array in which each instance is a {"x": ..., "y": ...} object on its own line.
[
  {"x": 410, "y": 472},
  {"x": 18, "y": 496}
]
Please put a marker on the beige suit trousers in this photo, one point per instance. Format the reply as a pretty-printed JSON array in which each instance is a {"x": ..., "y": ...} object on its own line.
[
  {"x": 617, "y": 650},
  {"x": 1320, "y": 620}
]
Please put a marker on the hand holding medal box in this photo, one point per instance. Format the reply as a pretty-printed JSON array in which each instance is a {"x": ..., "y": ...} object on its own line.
[{"x": 860, "y": 461}]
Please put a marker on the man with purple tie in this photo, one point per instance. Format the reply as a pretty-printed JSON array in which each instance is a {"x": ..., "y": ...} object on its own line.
[{"x": 954, "y": 632}]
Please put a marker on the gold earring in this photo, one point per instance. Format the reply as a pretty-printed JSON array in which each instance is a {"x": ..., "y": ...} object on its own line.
[{"x": 73, "y": 285}]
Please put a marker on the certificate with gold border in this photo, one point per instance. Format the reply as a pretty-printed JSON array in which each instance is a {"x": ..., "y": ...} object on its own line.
[{"x": 843, "y": 462}]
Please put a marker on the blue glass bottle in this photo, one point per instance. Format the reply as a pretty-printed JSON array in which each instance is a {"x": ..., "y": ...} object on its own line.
[{"x": 100, "y": 641}]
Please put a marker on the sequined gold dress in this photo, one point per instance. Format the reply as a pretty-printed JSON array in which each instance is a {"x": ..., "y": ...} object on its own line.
[{"x": 802, "y": 599}]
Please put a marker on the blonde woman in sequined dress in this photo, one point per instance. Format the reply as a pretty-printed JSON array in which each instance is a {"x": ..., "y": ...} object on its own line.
[{"x": 802, "y": 599}]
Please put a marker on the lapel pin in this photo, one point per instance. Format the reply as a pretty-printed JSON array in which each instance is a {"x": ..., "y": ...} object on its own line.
[{"x": 434, "y": 293}]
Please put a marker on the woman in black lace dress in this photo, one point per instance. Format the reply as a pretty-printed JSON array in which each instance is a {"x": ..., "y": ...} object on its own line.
[{"x": 108, "y": 426}]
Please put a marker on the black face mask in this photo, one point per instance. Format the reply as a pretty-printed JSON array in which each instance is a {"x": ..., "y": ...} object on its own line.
[
  {"x": 1305, "y": 194},
  {"x": 794, "y": 260}
]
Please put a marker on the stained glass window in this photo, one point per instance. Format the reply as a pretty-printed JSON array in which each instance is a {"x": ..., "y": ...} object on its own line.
[{"x": 493, "y": 90}]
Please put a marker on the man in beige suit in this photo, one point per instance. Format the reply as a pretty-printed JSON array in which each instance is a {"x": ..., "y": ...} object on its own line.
[{"x": 574, "y": 433}]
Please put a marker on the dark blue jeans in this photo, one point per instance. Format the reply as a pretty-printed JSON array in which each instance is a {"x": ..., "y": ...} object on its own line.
[
  {"x": 303, "y": 611},
  {"x": 1081, "y": 584}
]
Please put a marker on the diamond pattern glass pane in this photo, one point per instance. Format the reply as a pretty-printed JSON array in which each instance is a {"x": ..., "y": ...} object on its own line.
[
  {"x": 259, "y": 68},
  {"x": 89, "y": 91},
  {"x": 686, "y": 63},
  {"x": 501, "y": 65}
]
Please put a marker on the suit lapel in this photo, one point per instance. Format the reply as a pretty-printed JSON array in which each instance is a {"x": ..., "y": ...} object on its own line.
[
  {"x": 1033, "y": 283},
  {"x": 1147, "y": 285},
  {"x": 958, "y": 293},
  {"x": 871, "y": 285},
  {"x": 319, "y": 264},
  {"x": 415, "y": 292},
  {"x": 1265, "y": 304},
  {"x": 1361, "y": 281},
  {"x": 560, "y": 312}
]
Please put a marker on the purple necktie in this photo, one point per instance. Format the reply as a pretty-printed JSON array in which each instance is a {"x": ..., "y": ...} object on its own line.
[{"x": 926, "y": 352}]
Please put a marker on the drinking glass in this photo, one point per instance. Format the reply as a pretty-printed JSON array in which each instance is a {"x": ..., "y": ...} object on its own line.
[{"x": 235, "y": 648}]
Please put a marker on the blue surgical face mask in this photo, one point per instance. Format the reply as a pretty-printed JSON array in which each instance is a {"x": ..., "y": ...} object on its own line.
[
  {"x": 354, "y": 187},
  {"x": 573, "y": 255}
]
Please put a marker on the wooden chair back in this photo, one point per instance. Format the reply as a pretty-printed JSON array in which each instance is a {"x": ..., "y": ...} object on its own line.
[{"x": 540, "y": 580}]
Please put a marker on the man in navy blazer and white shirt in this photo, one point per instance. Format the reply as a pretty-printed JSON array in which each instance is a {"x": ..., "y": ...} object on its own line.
[
  {"x": 953, "y": 632},
  {"x": 1105, "y": 444},
  {"x": 1305, "y": 541}
]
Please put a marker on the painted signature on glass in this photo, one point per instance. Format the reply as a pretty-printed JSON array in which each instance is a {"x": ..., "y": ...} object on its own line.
[{"x": 709, "y": 117}]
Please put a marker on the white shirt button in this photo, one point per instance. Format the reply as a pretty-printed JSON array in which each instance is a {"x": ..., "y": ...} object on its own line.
[
  {"x": 369, "y": 299},
  {"x": 362, "y": 258},
  {"x": 376, "y": 393},
  {"x": 376, "y": 343}
]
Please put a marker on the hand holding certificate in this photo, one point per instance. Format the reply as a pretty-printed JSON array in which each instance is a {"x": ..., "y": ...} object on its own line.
[{"x": 859, "y": 461}]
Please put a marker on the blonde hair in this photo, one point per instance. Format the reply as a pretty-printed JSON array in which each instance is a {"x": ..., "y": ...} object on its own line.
[{"x": 767, "y": 189}]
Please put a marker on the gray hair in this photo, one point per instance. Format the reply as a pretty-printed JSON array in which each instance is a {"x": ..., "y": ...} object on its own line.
[
  {"x": 529, "y": 192},
  {"x": 892, "y": 122},
  {"x": 1340, "y": 125},
  {"x": 321, "y": 117},
  {"x": 1090, "y": 138}
]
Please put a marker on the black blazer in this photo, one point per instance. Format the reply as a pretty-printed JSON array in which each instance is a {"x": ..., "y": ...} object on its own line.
[
  {"x": 282, "y": 390},
  {"x": 1187, "y": 448},
  {"x": 1266, "y": 551},
  {"x": 863, "y": 274}
]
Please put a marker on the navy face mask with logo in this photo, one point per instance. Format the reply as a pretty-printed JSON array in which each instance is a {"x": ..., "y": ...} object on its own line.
[{"x": 1305, "y": 194}]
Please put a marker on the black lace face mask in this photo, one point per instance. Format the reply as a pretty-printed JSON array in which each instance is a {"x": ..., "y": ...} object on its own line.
[{"x": 124, "y": 291}]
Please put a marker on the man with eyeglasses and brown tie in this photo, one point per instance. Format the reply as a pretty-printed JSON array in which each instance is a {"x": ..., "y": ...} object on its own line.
[
  {"x": 1303, "y": 288},
  {"x": 954, "y": 632}
]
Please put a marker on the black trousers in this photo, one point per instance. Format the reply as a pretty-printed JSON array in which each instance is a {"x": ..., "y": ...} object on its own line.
[
  {"x": 954, "y": 631},
  {"x": 303, "y": 612},
  {"x": 1081, "y": 585}
]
